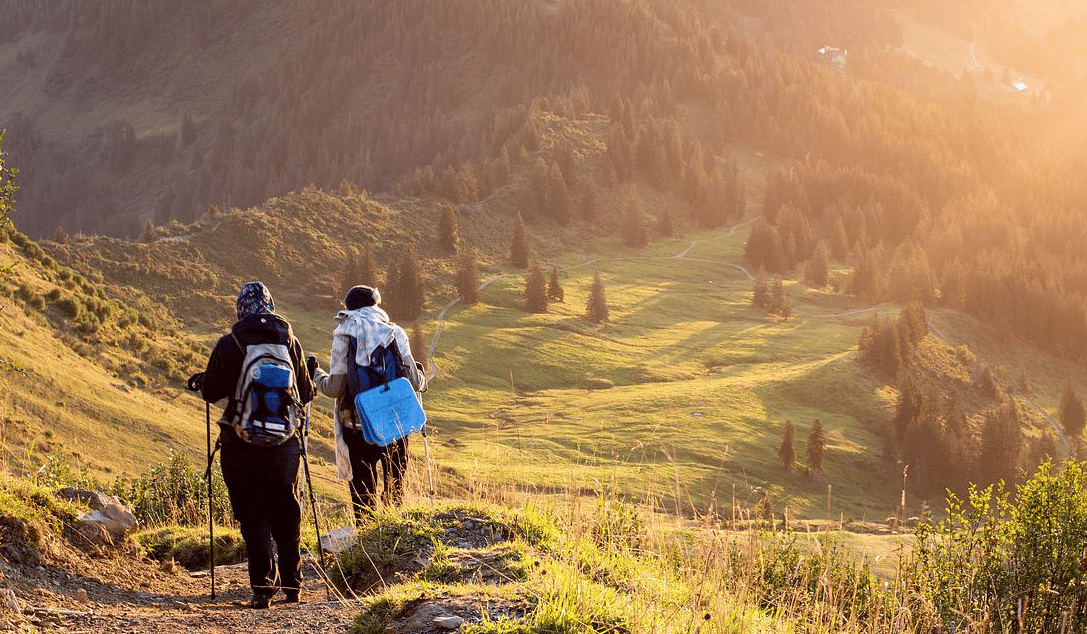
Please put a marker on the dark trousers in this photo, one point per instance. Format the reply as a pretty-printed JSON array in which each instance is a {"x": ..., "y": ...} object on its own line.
[
  {"x": 364, "y": 462},
  {"x": 262, "y": 483}
]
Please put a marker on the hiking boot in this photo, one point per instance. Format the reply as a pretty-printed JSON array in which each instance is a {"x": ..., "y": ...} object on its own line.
[{"x": 260, "y": 602}]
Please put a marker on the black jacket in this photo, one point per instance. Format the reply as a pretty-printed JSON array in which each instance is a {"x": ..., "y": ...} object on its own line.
[{"x": 225, "y": 363}]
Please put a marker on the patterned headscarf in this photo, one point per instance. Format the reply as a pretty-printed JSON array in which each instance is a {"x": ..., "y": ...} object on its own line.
[{"x": 254, "y": 299}]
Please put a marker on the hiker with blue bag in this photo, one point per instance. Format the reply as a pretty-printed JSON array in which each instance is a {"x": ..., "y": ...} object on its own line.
[
  {"x": 260, "y": 367},
  {"x": 371, "y": 363}
]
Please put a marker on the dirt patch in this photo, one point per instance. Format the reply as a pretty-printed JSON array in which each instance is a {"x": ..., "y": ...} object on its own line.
[{"x": 420, "y": 616}]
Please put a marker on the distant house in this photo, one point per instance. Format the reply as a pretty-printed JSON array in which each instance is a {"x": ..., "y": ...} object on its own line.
[
  {"x": 1019, "y": 86},
  {"x": 833, "y": 55}
]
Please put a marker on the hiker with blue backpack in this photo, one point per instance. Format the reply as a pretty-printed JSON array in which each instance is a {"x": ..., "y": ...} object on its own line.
[
  {"x": 370, "y": 360},
  {"x": 260, "y": 367}
]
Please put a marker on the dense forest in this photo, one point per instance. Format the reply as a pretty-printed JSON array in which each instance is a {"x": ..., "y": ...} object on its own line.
[{"x": 417, "y": 92}]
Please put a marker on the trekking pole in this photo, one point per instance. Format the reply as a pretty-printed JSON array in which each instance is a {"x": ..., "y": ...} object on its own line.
[
  {"x": 195, "y": 384},
  {"x": 313, "y": 502},
  {"x": 426, "y": 454},
  {"x": 211, "y": 508}
]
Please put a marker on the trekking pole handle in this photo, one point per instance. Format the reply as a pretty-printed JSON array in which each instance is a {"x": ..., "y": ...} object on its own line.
[{"x": 195, "y": 382}]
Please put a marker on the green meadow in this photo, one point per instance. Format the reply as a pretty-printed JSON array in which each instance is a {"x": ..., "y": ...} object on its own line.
[{"x": 679, "y": 400}]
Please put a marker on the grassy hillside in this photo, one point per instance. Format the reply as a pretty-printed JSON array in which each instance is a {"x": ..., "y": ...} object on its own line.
[{"x": 681, "y": 399}]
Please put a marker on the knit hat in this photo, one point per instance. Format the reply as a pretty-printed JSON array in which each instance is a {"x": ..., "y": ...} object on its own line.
[
  {"x": 360, "y": 296},
  {"x": 254, "y": 299}
]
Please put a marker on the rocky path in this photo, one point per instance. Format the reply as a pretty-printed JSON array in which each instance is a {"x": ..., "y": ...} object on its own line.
[{"x": 136, "y": 596}]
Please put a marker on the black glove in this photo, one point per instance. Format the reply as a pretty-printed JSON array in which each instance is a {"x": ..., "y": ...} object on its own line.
[
  {"x": 196, "y": 382},
  {"x": 311, "y": 364}
]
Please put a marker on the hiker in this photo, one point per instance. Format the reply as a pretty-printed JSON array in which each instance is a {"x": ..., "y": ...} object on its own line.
[
  {"x": 356, "y": 460},
  {"x": 261, "y": 474}
]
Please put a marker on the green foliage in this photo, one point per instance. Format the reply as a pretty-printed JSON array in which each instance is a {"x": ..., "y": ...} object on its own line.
[
  {"x": 536, "y": 290},
  {"x": 382, "y": 546},
  {"x": 29, "y": 513},
  {"x": 617, "y": 524},
  {"x": 408, "y": 297},
  {"x": 633, "y": 229},
  {"x": 8, "y": 187},
  {"x": 596, "y": 307},
  {"x": 816, "y": 446},
  {"x": 377, "y": 613},
  {"x": 448, "y": 234},
  {"x": 188, "y": 545},
  {"x": 827, "y": 585},
  {"x": 554, "y": 288},
  {"x": 817, "y": 273},
  {"x": 770, "y": 296},
  {"x": 1001, "y": 443},
  {"x": 1072, "y": 414},
  {"x": 174, "y": 492},
  {"x": 787, "y": 450},
  {"x": 519, "y": 253},
  {"x": 468, "y": 277},
  {"x": 1011, "y": 564}
]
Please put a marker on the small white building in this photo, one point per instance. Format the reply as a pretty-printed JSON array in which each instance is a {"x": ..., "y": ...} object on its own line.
[
  {"x": 1019, "y": 86},
  {"x": 833, "y": 55}
]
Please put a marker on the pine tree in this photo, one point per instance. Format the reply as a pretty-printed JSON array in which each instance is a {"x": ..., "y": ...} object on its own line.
[
  {"x": 760, "y": 293},
  {"x": 818, "y": 271},
  {"x": 666, "y": 227},
  {"x": 448, "y": 234},
  {"x": 410, "y": 296},
  {"x": 468, "y": 278},
  {"x": 596, "y": 308},
  {"x": 588, "y": 203},
  {"x": 787, "y": 450},
  {"x": 558, "y": 196},
  {"x": 554, "y": 289},
  {"x": 1072, "y": 414},
  {"x": 634, "y": 234},
  {"x": 536, "y": 290},
  {"x": 519, "y": 249},
  {"x": 367, "y": 269},
  {"x": 779, "y": 301},
  {"x": 764, "y": 247},
  {"x": 816, "y": 446},
  {"x": 418, "y": 346},
  {"x": 1001, "y": 440}
]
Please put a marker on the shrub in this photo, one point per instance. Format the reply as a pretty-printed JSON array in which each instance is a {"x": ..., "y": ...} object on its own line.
[
  {"x": 188, "y": 545},
  {"x": 173, "y": 492},
  {"x": 1022, "y": 558},
  {"x": 69, "y": 307}
]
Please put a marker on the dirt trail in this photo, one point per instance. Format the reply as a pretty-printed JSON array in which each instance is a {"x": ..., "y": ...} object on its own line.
[{"x": 75, "y": 593}]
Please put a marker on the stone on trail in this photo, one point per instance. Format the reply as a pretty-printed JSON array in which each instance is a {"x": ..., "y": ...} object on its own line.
[
  {"x": 109, "y": 519},
  {"x": 448, "y": 622},
  {"x": 11, "y": 600}
]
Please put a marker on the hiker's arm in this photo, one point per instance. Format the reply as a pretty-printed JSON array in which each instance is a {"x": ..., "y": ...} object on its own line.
[
  {"x": 305, "y": 381},
  {"x": 334, "y": 382},
  {"x": 221, "y": 375},
  {"x": 332, "y": 385}
]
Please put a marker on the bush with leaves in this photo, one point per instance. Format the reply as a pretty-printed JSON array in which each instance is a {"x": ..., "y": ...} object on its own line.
[
  {"x": 174, "y": 492},
  {"x": 1010, "y": 564}
]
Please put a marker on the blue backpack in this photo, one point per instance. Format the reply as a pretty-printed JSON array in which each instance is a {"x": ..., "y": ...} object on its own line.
[{"x": 382, "y": 403}]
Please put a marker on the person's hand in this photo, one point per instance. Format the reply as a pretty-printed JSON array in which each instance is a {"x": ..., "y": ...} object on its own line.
[
  {"x": 196, "y": 382},
  {"x": 311, "y": 364}
]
